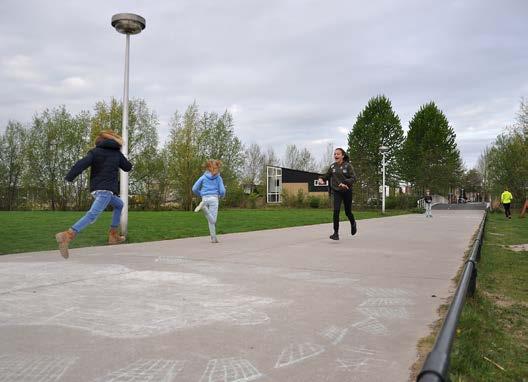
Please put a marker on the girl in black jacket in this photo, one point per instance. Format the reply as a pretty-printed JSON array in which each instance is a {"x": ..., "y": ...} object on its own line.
[
  {"x": 104, "y": 160},
  {"x": 341, "y": 176}
]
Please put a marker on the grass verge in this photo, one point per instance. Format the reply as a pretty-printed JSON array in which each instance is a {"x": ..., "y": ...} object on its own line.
[
  {"x": 491, "y": 342},
  {"x": 25, "y": 231}
]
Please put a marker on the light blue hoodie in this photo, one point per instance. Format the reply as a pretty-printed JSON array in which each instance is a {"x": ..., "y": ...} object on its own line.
[{"x": 209, "y": 184}]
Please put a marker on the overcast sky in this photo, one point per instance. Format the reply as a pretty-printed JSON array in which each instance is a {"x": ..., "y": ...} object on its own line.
[{"x": 289, "y": 71}]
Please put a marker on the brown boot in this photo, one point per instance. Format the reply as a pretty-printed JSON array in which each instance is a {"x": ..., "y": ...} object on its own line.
[
  {"x": 114, "y": 237},
  {"x": 64, "y": 238}
]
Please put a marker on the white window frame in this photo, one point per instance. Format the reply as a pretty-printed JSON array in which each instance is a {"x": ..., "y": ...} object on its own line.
[{"x": 273, "y": 192}]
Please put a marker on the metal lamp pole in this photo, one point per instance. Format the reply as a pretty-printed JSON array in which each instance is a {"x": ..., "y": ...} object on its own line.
[
  {"x": 126, "y": 23},
  {"x": 383, "y": 150}
]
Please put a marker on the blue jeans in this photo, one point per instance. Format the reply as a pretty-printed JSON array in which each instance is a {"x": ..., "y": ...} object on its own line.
[
  {"x": 210, "y": 210},
  {"x": 102, "y": 199}
]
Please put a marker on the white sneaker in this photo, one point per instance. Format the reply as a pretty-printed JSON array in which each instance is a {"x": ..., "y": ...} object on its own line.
[{"x": 199, "y": 206}]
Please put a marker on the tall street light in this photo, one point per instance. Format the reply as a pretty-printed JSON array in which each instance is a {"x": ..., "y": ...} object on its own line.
[
  {"x": 126, "y": 23},
  {"x": 383, "y": 151}
]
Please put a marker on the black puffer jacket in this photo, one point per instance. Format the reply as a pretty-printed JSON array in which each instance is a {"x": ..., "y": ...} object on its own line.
[{"x": 105, "y": 160}]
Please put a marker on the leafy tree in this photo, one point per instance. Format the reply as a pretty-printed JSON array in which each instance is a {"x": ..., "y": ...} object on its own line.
[
  {"x": 142, "y": 141},
  {"x": 12, "y": 164},
  {"x": 55, "y": 141},
  {"x": 472, "y": 181},
  {"x": 430, "y": 157},
  {"x": 377, "y": 125},
  {"x": 218, "y": 141},
  {"x": 483, "y": 170},
  {"x": 505, "y": 162},
  {"x": 184, "y": 151}
]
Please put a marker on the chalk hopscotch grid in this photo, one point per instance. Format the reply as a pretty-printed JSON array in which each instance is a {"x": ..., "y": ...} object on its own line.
[
  {"x": 360, "y": 359},
  {"x": 382, "y": 302},
  {"x": 385, "y": 292},
  {"x": 334, "y": 334},
  {"x": 385, "y": 312},
  {"x": 371, "y": 325},
  {"x": 295, "y": 353},
  {"x": 32, "y": 368},
  {"x": 385, "y": 303},
  {"x": 145, "y": 370},
  {"x": 171, "y": 260},
  {"x": 230, "y": 370}
]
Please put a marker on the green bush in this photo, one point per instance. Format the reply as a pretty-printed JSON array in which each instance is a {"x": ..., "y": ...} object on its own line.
[
  {"x": 314, "y": 201},
  {"x": 234, "y": 197},
  {"x": 401, "y": 202},
  {"x": 252, "y": 200},
  {"x": 300, "y": 198}
]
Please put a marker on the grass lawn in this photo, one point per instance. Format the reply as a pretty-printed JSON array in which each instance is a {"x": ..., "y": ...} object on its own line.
[
  {"x": 25, "y": 231},
  {"x": 494, "y": 324}
]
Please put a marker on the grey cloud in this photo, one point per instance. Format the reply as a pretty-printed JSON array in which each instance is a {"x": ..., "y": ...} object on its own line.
[{"x": 297, "y": 71}]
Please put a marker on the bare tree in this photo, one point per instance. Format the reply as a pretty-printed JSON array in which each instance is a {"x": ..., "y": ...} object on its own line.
[
  {"x": 254, "y": 162},
  {"x": 299, "y": 159}
]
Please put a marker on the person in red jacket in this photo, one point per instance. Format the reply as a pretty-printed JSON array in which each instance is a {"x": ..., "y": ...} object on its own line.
[{"x": 104, "y": 160}]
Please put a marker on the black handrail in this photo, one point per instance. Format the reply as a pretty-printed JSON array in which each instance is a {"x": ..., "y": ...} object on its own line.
[{"x": 436, "y": 365}]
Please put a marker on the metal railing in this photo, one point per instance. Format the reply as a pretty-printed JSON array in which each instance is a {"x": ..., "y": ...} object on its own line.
[{"x": 436, "y": 366}]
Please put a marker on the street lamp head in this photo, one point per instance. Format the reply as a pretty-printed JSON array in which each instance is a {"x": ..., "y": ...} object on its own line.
[
  {"x": 128, "y": 23},
  {"x": 383, "y": 149}
]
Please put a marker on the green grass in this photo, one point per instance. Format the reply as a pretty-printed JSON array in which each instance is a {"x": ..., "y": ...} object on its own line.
[
  {"x": 494, "y": 324},
  {"x": 25, "y": 231}
]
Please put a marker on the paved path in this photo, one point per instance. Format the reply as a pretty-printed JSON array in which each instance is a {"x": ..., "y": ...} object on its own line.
[{"x": 277, "y": 305}]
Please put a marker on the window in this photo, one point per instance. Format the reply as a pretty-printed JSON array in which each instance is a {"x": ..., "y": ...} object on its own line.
[{"x": 274, "y": 184}]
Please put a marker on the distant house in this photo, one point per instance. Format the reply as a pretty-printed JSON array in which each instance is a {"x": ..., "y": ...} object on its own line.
[{"x": 281, "y": 179}]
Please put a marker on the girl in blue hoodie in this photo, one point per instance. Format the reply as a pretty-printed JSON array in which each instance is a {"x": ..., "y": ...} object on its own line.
[{"x": 210, "y": 187}]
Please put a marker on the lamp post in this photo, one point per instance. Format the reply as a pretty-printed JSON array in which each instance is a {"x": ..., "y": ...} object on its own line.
[
  {"x": 383, "y": 151},
  {"x": 126, "y": 23}
]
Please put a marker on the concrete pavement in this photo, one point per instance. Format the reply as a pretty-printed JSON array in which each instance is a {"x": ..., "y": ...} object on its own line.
[{"x": 277, "y": 305}]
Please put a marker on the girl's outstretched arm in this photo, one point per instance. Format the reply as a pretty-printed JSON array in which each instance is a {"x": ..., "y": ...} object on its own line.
[{"x": 80, "y": 166}]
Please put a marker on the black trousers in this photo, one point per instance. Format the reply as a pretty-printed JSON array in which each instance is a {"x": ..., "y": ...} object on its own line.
[
  {"x": 346, "y": 198},
  {"x": 507, "y": 209}
]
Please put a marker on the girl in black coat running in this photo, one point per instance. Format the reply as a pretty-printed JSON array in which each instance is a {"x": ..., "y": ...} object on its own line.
[
  {"x": 104, "y": 161},
  {"x": 341, "y": 177}
]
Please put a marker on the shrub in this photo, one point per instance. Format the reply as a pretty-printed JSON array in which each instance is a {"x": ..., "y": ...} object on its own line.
[
  {"x": 300, "y": 198},
  {"x": 401, "y": 202},
  {"x": 314, "y": 201}
]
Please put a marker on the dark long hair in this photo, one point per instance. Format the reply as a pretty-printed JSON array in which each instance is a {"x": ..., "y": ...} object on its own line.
[{"x": 346, "y": 158}]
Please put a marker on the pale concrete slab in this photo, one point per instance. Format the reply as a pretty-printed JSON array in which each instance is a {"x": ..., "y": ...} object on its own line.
[{"x": 276, "y": 305}]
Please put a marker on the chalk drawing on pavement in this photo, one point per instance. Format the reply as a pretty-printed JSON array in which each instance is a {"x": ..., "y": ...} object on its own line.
[
  {"x": 33, "y": 368},
  {"x": 335, "y": 334},
  {"x": 230, "y": 370},
  {"x": 295, "y": 353},
  {"x": 371, "y": 325},
  {"x": 131, "y": 304},
  {"x": 146, "y": 370}
]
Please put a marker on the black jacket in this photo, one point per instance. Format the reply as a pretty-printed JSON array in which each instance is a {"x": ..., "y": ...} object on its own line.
[
  {"x": 343, "y": 173},
  {"x": 105, "y": 160},
  {"x": 428, "y": 198}
]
